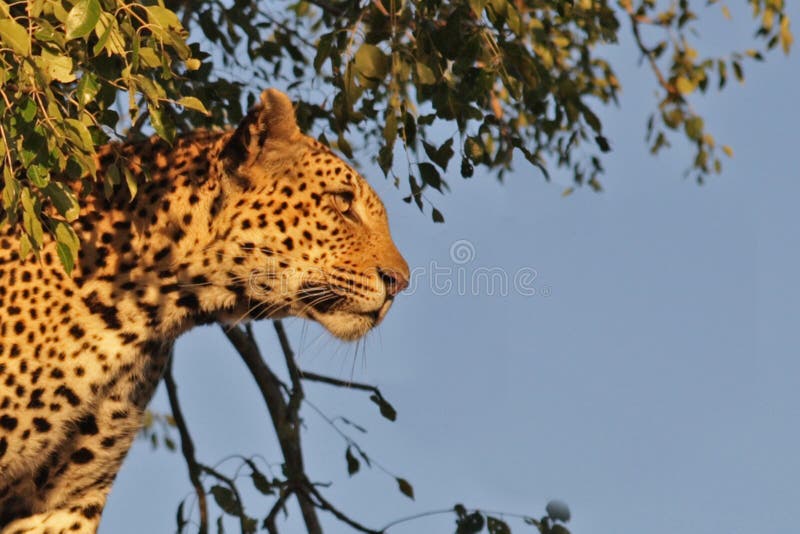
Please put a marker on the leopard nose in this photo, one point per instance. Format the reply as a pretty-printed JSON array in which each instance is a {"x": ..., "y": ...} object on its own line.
[{"x": 394, "y": 280}]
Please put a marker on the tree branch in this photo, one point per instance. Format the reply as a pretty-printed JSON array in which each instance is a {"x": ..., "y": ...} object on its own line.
[
  {"x": 286, "y": 423},
  {"x": 296, "y": 395},
  {"x": 325, "y": 505},
  {"x": 187, "y": 446},
  {"x": 648, "y": 53},
  {"x": 269, "y": 522},
  {"x": 314, "y": 377}
]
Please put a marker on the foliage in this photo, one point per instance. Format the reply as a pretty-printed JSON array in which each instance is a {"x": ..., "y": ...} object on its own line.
[
  {"x": 525, "y": 74},
  {"x": 499, "y": 77}
]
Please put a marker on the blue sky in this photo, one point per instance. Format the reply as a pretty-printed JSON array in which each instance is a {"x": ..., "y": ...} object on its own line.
[{"x": 651, "y": 381}]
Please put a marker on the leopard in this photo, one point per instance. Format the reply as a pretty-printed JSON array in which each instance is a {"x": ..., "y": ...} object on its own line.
[{"x": 256, "y": 221}]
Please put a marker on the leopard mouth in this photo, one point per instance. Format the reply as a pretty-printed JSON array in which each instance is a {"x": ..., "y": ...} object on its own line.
[{"x": 323, "y": 305}]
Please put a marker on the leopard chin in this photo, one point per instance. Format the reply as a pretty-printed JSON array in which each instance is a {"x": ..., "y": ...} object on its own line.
[{"x": 350, "y": 326}]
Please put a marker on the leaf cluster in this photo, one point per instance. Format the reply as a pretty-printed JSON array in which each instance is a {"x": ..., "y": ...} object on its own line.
[{"x": 65, "y": 67}]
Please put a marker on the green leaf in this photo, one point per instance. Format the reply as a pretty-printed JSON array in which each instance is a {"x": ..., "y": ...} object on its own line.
[
  {"x": 437, "y": 216},
  {"x": 38, "y": 175},
  {"x": 163, "y": 17},
  {"x": 15, "y": 36},
  {"x": 109, "y": 36},
  {"x": 87, "y": 88},
  {"x": 405, "y": 488},
  {"x": 352, "y": 462},
  {"x": 371, "y": 62},
  {"x": 323, "y": 50},
  {"x": 56, "y": 67},
  {"x": 430, "y": 176},
  {"x": 81, "y": 135},
  {"x": 602, "y": 142},
  {"x": 82, "y": 18},
  {"x": 225, "y": 499},
  {"x": 469, "y": 523},
  {"x": 130, "y": 179},
  {"x": 425, "y": 74},
  {"x": 194, "y": 103},
  {"x": 386, "y": 409},
  {"x": 65, "y": 234},
  {"x": 161, "y": 124},
  {"x": 28, "y": 110},
  {"x": 473, "y": 149},
  {"x": 496, "y": 526},
  {"x": 261, "y": 483},
  {"x": 694, "y": 128},
  {"x": 440, "y": 156}
]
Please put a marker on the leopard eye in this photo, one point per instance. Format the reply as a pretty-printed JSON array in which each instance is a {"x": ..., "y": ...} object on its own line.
[{"x": 343, "y": 202}]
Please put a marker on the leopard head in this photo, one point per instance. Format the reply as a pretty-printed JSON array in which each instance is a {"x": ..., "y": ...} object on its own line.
[{"x": 304, "y": 233}]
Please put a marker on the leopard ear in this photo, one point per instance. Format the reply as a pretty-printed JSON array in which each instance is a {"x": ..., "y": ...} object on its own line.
[
  {"x": 276, "y": 116},
  {"x": 272, "y": 119}
]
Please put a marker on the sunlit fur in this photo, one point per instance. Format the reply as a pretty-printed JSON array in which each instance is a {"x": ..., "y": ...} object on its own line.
[{"x": 257, "y": 222}]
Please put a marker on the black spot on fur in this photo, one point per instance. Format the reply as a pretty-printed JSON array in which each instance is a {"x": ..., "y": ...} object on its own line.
[
  {"x": 8, "y": 422},
  {"x": 107, "y": 313},
  {"x": 82, "y": 456},
  {"x": 76, "y": 331},
  {"x": 88, "y": 425},
  {"x": 41, "y": 424},
  {"x": 189, "y": 300},
  {"x": 68, "y": 394},
  {"x": 36, "y": 399}
]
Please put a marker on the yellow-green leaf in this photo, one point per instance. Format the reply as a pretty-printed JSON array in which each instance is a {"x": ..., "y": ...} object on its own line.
[
  {"x": 786, "y": 35},
  {"x": 425, "y": 74},
  {"x": 371, "y": 62},
  {"x": 87, "y": 88},
  {"x": 684, "y": 86},
  {"x": 56, "y": 67},
  {"x": 82, "y": 18},
  {"x": 84, "y": 138},
  {"x": 15, "y": 36},
  {"x": 163, "y": 17},
  {"x": 109, "y": 36},
  {"x": 194, "y": 103}
]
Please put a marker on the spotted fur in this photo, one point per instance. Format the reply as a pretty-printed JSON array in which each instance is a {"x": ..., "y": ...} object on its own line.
[{"x": 261, "y": 221}]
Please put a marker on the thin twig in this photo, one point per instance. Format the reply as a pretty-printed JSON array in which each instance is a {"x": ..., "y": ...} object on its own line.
[
  {"x": 269, "y": 522},
  {"x": 325, "y": 505},
  {"x": 187, "y": 446},
  {"x": 648, "y": 53},
  {"x": 232, "y": 485},
  {"x": 314, "y": 377}
]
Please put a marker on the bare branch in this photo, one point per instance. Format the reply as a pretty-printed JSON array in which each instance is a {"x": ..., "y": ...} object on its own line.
[
  {"x": 325, "y": 505},
  {"x": 648, "y": 53},
  {"x": 232, "y": 485},
  {"x": 314, "y": 377},
  {"x": 187, "y": 446},
  {"x": 296, "y": 396},
  {"x": 285, "y": 423},
  {"x": 269, "y": 522}
]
